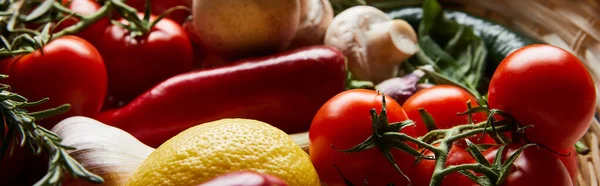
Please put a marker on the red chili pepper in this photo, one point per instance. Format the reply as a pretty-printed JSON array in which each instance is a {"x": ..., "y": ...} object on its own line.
[{"x": 284, "y": 90}]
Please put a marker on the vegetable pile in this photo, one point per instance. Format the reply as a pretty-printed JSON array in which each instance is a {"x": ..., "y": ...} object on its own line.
[{"x": 203, "y": 92}]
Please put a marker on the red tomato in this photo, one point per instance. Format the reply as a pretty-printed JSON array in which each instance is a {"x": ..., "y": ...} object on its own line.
[
  {"x": 85, "y": 7},
  {"x": 135, "y": 65},
  {"x": 548, "y": 88},
  {"x": 535, "y": 166},
  {"x": 160, "y": 6},
  {"x": 456, "y": 156},
  {"x": 443, "y": 103},
  {"x": 344, "y": 121},
  {"x": 69, "y": 71},
  {"x": 571, "y": 162}
]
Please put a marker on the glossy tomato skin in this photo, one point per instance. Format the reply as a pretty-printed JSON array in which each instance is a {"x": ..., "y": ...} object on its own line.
[
  {"x": 571, "y": 162},
  {"x": 160, "y": 6},
  {"x": 85, "y": 7},
  {"x": 548, "y": 88},
  {"x": 443, "y": 103},
  {"x": 456, "y": 156},
  {"x": 535, "y": 166},
  {"x": 344, "y": 121},
  {"x": 196, "y": 47},
  {"x": 135, "y": 65},
  {"x": 70, "y": 71}
]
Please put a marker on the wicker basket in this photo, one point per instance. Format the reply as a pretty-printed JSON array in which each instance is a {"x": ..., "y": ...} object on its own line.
[{"x": 573, "y": 25}]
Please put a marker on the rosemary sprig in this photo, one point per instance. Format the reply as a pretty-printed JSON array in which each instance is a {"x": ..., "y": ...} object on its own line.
[{"x": 23, "y": 130}]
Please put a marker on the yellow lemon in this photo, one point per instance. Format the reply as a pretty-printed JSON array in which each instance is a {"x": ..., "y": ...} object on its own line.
[{"x": 211, "y": 149}]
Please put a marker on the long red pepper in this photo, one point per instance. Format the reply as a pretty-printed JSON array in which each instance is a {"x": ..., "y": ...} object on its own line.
[{"x": 285, "y": 91}]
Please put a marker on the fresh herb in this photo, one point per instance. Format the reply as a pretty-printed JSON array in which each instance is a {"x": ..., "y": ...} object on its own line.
[
  {"x": 23, "y": 130},
  {"x": 454, "y": 50}
]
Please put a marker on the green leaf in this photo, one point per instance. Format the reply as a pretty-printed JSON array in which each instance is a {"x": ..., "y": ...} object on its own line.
[
  {"x": 50, "y": 112},
  {"x": 31, "y": 104},
  {"x": 479, "y": 157},
  {"x": 506, "y": 167},
  {"x": 397, "y": 126},
  {"x": 40, "y": 10},
  {"x": 498, "y": 159},
  {"x": 369, "y": 143},
  {"x": 427, "y": 119},
  {"x": 442, "y": 79},
  {"x": 456, "y": 51}
]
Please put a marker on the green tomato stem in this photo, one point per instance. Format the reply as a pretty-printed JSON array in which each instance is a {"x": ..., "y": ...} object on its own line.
[
  {"x": 405, "y": 137},
  {"x": 130, "y": 14},
  {"x": 476, "y": 167},
  {"x": 65, "y": 10},
  {"x": 85, "y": 21},
  {"x": 440, "y": 163},
  {"x": 501, "y": 128},
  {"x": 581, "y": 148}
]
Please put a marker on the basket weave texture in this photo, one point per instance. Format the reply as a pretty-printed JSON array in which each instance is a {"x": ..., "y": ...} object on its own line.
[
  {"x": 573, "y": 25},
  {"x": 570, "y": 24}
]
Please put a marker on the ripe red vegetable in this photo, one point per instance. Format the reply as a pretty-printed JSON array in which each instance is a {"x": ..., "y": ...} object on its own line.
[
  {"x": 345, "y": 121},
  {"x": 85, "y": 7},
  {"x": 70, "y": 70},
  {"x": 245, "y": 178},
  {"x": 443, "y": 103},
  {"x": 571, "y": 162},
  {"x": 456, "y": 156},
  {"x": 535, "y": 166},
  {"x": 135, "y": 65},
  {"x": 160, "y": 6},
  {"x": 548, "y": 88},
  {"x": 284, "y": 90}
]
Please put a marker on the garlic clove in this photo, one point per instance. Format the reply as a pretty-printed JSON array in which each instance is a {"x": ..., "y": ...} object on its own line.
[{"x": 107, "y": 151}]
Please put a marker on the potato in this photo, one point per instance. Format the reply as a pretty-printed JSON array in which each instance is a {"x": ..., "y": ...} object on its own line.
[{"x": 236, "y": 29}]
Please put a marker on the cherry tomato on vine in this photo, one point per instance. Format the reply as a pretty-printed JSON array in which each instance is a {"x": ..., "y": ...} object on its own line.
[
  {"x": 70, "y": 70},
  {"x": 548, "y": 88},
  {"x": 136, "y": 64},
  {"x": 443, "y": 103},
  {"x": 160, "y": 6},
  {"x": 535, "y": 166},
  {"x": 456, "y": 156},
  {"x": 343, "y": 122},
  {"x": 571, "y": 162},
  {"x": 85, "y": 7}
]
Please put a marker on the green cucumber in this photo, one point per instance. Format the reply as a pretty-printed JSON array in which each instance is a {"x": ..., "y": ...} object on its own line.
[{"x": 499, "y": 40}]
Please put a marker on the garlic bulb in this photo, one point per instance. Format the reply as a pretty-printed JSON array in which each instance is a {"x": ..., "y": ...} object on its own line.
[{"x": 107, "y": 151}]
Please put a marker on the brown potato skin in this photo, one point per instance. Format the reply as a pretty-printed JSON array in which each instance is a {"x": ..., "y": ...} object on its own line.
[{"x": 236, "y": 29}]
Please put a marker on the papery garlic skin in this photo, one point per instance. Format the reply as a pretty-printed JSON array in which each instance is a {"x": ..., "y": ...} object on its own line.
[{"x": 104, "y": 150}]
